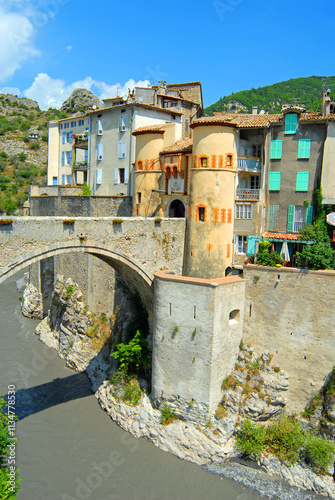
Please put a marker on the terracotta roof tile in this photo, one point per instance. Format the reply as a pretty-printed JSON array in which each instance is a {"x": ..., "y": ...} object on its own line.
[
  {"x": 155, "y": 129},
  {"x": 281, "y": 236},
  {"x": 183, "y": 146},
  {"x": 248, "y": 120}
]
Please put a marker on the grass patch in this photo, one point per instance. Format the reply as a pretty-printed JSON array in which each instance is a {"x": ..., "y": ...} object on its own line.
[
  {"x": 132, "y": 393},
  {"x": 167, "y": 415}
]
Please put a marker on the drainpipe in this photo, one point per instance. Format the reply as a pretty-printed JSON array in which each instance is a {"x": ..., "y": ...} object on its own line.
[{"x": 131, "y": 172}]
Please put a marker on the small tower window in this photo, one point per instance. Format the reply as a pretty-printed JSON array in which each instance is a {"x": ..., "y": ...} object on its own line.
[
  {"x": 139, "y": 165},
  {"x": 201, "y": 213},
  {"x": 204, "y": 162},
  {"x": 229, "y": 160},
  {"x": 139, "y": 197}
]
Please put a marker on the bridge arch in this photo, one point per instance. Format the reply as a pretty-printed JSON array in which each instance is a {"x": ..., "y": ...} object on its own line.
[{"x": 137, "y": 279}]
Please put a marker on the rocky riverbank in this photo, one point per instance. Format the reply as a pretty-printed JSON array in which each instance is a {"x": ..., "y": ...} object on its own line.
[{"x": 255, "y": 390}]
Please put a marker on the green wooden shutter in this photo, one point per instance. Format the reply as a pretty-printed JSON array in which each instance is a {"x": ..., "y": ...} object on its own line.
[
  {"x": 276, "y": 149},
  {"x": 290, "y": 218},
  {"x": 302, "y": 181},
  {"x": 304, "y": 148},
  {"x": 309, "y": 214},
  {"x": 274, "y": 181},
  {"x": 251, "y": 244},
  {"x": 291, "y": 123},
  {"x": 273, "y": 217}
]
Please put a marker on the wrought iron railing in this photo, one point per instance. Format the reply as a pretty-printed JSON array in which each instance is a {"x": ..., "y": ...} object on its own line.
[{"x": 247, "y": 194}]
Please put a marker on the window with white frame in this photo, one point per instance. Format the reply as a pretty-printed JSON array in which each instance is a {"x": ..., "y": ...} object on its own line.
[
  {"x": 254, "y": 182},
  {"x": 100, "y": 152},
  {"x": 100, "y": 127},
  {"x": 68, "y": 157},
  {"x": 243, "y": 211},
  {"x": 242, "y": 244},
  {"x": 121, "y": 176}
]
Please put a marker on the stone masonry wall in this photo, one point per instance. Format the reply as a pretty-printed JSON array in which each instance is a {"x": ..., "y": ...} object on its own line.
[
  {"x": 290, "y": 313},
  {"x": 81, "y": 206}
]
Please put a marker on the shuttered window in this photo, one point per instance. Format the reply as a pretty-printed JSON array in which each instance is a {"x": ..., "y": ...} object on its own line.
[
  {"x": 64, "y": 137},
  {"x": 276, "y": 149},
  {"x": 98, "y": 175},
  {"x": 100, "y": 152},
  {"x": 63, "y": 158},
  {"x": 274, "y": 181},
  {"x": 273, "y": 217},
  {"x": 100, "y": 127},
  {"x": 291, "y": 123},
  {"x": 290, "y": 218},
  {"x": 304, "y": 148},
  {"x": 123, "y": 120},
  {"x": 122, "y": 149},
  {"x": 63, "y": 179},
  {"x": 302, "y": 181}
]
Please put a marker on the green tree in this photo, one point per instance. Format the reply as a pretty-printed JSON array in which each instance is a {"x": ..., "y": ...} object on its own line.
[
  {"x": 130, "y": 356},
  {"x": 86, "y": 190},
  {"x": 9, "y": 205}
]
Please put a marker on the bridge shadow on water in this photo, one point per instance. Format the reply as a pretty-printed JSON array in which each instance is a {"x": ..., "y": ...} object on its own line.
[{"x": 58, "y": 391}]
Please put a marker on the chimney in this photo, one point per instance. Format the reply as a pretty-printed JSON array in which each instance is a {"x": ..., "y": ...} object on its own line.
[
  {"x": 255, "y": 110},
  {"x": 325, "y": 108}
]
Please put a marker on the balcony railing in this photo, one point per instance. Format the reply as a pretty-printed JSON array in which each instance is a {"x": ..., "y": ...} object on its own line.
[
  {"x": 247, "y": 194},
  {"x": 80, "y": 165},
  {"x": 248, "y": 163},
  {"x": 297, "y": 226}
]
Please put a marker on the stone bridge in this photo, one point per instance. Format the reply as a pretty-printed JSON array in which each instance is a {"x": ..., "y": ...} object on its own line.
[{"x": 136, "y": 247}]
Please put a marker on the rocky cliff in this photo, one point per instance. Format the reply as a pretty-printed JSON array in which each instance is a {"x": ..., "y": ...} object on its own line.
[{"x": 80, "y": 100}]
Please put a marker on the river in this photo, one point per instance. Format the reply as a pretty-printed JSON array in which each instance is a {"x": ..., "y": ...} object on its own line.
[{"x": 68, "y": 448}]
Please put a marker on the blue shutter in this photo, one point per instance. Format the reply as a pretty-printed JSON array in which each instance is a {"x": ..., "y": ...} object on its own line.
[
  {"x": 302, "y": 181},
  {"x": 70, "y": 157},
  {"x": 63, "y": 179},
  {"x": 290, "y": 218},
  {"x": 86, "y": 155},
  {"x": 274, "y": 181},
  {"x": 291, "y": 123},
  {"x": 276, "y": 149},
  {"x": 54, "y": 181},
  {"x": 70, "y": 179},
  {"x": 71, "y": 138},
  {"x": 304, "y": 148},
  {"x": 309, "y": 214},
  {"x": 64, "y": 137},
  {"x": 63, "y": 158},
  {"x": 251, "y": 244}
]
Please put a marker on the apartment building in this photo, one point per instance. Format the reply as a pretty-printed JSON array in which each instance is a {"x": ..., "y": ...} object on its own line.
[{"x": 99, "y": 148}]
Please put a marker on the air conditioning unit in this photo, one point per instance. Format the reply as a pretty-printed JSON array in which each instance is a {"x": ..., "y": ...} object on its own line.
[{"x": 100, "y": 157}]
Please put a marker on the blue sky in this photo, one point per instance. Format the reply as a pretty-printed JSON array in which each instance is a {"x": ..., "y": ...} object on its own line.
[{"x": 50, "y": 47}]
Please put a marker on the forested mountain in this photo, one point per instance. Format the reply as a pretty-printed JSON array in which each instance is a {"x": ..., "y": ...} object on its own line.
[{"x": 301, "y": 91}]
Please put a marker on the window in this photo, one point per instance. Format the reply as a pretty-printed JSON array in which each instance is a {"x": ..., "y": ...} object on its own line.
[
  {"x": 100, "y": 152},
  {"x": 73, "y": 124},
  {"x": 242, "y": 244},
  {"x": 80, "y": 123},
  {"x": 204, "y": 162},
  {"x": 68, "y": 158},
  {"x": 201, "y": 214},
  {"x": 298, "y": 217},
  {"x": 276, "y": 149},
  {"x": 302, "y": 181},
  {"x": 229, "y": 160},
  {"x": 61, "y": 126},
  {"x": 100, "y": 127},
  {"x": 243, "y": 211},
  {"x": 66, "y": 180},
  {"x": 54, "y": 181},
  {"x": 139, "y": 197},
  {"x": 140, "y": 165},
  {"x": 254, "y": 182},
  {"x": 66, "y": 125},
  {"x": 274, "y": 181},
  {"x": 121, "y": 176},
  {"x": 98, "y": 175},
  {"x": 291, "y": 123},
  {"x": 273, "y": 217},
  {"x": 304, "y": 148},
  {"x": 122, "y": 149},
  {"x": 186, "y": 125},
  {"x": 123, "y": 119},
  {"x": 169, "y": 103},
  {"x": 256, "y": 150}
]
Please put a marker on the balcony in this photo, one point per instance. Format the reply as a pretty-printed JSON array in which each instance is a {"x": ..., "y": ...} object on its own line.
[
  {"x": 80, "y": 165},
  {"x": 80, "y": 141},
  {"x": 247, "y": 194},
  {"x": 248, "y": 163}
]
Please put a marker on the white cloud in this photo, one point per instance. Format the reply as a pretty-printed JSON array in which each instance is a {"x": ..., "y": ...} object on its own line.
[
  {"x": 69, "y": 48},
  {"x": 16, "y": 42},
  {"x": 51, "y": 93}
]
